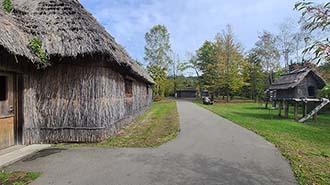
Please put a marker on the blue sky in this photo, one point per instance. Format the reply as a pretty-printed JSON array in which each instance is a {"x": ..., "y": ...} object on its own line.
[{"x": 190, "y": 22}]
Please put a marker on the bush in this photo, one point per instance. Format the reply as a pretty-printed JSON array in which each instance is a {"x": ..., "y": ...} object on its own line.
[
  {"x": 36, "y": 46},
  {"x": 325, "y": 92},
  {"x": 7, "y": 5}
]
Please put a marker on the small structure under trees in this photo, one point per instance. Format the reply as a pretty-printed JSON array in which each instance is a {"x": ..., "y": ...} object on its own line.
[
  {"x": 298, "y": 86},
  {"x": 188, "y": 93}
]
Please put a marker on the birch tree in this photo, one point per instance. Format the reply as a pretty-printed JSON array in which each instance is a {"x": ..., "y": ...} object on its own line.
[{"x": 158, "y": 56}]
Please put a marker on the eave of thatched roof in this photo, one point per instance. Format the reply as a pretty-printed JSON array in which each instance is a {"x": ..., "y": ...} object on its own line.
[
  {"x": 65, "y": 28},
  {"x": 292, "y": 79},
  {"x": 12, "y": 38}
]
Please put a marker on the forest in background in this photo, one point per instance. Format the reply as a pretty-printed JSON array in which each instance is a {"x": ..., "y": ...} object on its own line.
[{"x": 223, "y": 67}]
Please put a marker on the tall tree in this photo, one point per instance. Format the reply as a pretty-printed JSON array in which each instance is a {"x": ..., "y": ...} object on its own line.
[
  {"x": 317, "y": 18},
  {"x": 285, "y": 40},
  {"x": 230, "y": 63},
  {"x": 207, "y": 64},
  {"x": 257, "y": 77},
  {"x": 193, "y": 64},
  {"x": 174, "y": 69},
  {"x": 158, "y": 56},
  {"x": 267, "y": 52}
]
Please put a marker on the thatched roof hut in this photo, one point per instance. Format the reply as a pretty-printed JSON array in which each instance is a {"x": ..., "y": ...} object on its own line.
[
  {"x": 300, "y": 83},
  {"x": 65, "y": 29},
  {"x": 85, "y": 90}
]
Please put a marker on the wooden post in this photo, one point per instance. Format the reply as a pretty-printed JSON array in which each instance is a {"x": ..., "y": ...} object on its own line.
[
  {"x": 287, "y": 109},
  {"x": 280, "y": 107},
  {"x": 296, "y": 111},
  {"x": 304, "y": 109},
  {"x": 315, "y": 115}
]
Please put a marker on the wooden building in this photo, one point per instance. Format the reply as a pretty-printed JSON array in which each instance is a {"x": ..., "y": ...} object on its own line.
[
  {"x": 301, "y": 83},
  {"x": 85, "y": 91},
  {"x": 189, "y": 93},
  {"x": 298, "y": 86}
]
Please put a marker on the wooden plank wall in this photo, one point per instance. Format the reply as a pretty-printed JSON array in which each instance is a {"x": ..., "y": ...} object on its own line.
[
  {"x": 70, "y": 103},
  {"x": 6, "y": 132}
]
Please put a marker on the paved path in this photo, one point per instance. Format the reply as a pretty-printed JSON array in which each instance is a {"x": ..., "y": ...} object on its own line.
[{"x": 209, "y": 151}]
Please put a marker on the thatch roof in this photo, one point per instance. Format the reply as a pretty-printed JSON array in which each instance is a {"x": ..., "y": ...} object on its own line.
[
  {"x": 292, "y": 79},
  {"x": 65, "y": 29}
]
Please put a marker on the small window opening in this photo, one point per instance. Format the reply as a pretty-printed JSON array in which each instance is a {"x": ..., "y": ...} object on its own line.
[
  {"x": 147, "y": 87},
  {"x": 311, "y": 91},
  {"x": 3, "y": 88},
  {"x": 128, "y": 88}
]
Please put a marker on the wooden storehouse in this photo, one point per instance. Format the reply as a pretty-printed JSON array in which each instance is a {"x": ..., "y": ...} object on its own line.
[
  {"x": 298, "y": 86},
  {"x": 85, "y": 91},
  {"x": 301, "y": 83}
]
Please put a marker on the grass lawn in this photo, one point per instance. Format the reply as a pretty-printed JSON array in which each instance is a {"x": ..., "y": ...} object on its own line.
[
  {"x": 306, "y": 146},
  {"x": 17, "y": 178},
  {"x": 158, "y": 125}
]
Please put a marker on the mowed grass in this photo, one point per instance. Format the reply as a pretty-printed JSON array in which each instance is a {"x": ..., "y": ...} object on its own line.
[
  {"x": 305, "y": 145},
  {"x": 158, "y": 125},
  {"x": 17, "y": 178}
]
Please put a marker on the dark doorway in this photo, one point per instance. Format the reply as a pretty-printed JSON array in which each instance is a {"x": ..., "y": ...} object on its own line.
[
  {"x": 3, "y": 88},
  {"x": 311, "y": 91}
]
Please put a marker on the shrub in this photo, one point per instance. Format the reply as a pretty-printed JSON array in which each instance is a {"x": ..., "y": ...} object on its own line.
[
  {"x": 325, "y": 92},
  {"x": 7, "y": 6},
  {"x": 36, "y": 46}
]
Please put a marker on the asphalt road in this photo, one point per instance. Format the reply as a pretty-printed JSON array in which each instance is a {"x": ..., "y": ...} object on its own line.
[{"x": 209, "y": 151}]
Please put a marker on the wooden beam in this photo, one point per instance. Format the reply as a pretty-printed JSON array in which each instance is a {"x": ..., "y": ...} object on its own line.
[
  {"x": 280, "y": 107},
  {"x": 315, "y": 117},
  {"x": 296, "y": 111},
  {"x": 308, "y": 100},
  {"x": 287, "y": 109},
  {"x": 305, "y": 109}
]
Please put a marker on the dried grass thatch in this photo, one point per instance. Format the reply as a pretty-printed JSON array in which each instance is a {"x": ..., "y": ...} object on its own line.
[
  {"x": 65, "y": 29},
  {"x": 292, "y": 79}
]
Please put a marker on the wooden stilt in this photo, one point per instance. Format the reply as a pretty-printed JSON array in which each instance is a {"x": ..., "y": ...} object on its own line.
[
  {"x": 280, "y": 107},
  {"x": 305, "y": 109},
  {"x": 296, "y": 111},
  {"x": 315, "y": 117},
  {"x": 287, "y": 109}
]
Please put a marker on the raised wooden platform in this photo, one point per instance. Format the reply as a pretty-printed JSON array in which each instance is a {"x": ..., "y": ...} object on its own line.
[{"x": 285, "y": 104}]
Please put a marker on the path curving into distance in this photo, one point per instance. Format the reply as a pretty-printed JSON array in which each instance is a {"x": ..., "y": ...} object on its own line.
[{"x": 209, "y": 150}]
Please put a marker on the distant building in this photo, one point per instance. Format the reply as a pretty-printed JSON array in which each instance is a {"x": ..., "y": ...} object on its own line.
[{"x": 189, "y": 93}]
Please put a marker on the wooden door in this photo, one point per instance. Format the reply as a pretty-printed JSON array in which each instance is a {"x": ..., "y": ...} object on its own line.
[{"x": 7, "y": 110}]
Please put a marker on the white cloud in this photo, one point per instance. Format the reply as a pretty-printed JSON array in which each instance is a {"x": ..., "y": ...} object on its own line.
[{"x": 190, "y": 22}]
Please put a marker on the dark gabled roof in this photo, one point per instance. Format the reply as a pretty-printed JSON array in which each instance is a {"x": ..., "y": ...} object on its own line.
[
  {"x": 65, "y": 29},
  {"x": 292, "y": 79},
  {"x": 187, "y": 90}
]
